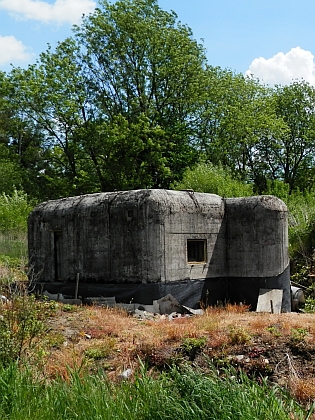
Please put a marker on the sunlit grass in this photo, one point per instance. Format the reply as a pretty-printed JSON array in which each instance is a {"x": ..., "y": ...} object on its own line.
[{"x": 182, "y": 394}]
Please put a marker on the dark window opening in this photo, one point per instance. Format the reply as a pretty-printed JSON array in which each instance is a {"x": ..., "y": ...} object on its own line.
[
  {"x": 58, "y": 254},
  {"x": 196, "y": 250}
]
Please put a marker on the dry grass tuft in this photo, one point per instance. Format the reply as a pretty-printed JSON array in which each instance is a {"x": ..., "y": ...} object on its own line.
[
  {"x": 236, "y": 309},
  {"x": 61, "y": 362},
  {"x": 303, "y": 389},
  {"x": 175, "y": 332}
]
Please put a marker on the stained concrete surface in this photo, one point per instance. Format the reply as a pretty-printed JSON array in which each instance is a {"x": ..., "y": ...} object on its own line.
[{"x": 133, "y": 240}]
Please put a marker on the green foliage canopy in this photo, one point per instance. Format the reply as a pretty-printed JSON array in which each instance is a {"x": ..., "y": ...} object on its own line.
[
  {"x": 290, "y": 152},
  {"x": 115, "y": 103},
  {"x": 130, "y": 102}
]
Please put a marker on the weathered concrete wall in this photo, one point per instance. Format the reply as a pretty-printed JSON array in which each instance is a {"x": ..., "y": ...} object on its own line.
[
  {"x": 257, "y": 248},
  {"x": 131, "y": 236},
  {"x": 257, "y": 240},
  {"x": 142, "y": 237},
  {"x": 193, "y": 216},
  {"x": 70, "y": 231},
  {"x": 154, "y": 235}
]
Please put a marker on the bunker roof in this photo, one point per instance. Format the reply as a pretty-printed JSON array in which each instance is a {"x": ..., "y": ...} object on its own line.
[{"x": 158, "y": 200}]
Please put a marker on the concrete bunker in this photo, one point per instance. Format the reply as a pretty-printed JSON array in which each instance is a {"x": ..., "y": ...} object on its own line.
[{"x": 141, "y": 245}]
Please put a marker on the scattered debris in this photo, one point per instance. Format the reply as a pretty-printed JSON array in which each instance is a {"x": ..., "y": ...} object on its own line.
[
  {"x": 125, "y": 374},
  {"x": 4, "y": 299},
  {"x": 240, "y": 358},
  {"x": 143, "y": 314},
  {"x": 168, "y": 304},
  {"x": 59, "y": 297}
]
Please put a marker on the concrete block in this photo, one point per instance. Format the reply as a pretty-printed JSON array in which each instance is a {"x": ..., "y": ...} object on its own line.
[
  {"x": 59, "y": 297},
  {"x": 270, "y": 300},
  {"x": 148, "y": 308},
  {"x": 101, "y": 301},
  {"x": 168, "y": 304},
  {"x": 194, "y": 311}
]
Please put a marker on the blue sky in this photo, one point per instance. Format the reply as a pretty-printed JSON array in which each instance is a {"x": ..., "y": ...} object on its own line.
[{"x": 273, "y": 39}]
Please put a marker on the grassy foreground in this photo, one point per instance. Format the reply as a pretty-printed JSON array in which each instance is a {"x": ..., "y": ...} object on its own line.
[
  {"x": 179, "y": 394},
  {"x": 65, "y": 362}
]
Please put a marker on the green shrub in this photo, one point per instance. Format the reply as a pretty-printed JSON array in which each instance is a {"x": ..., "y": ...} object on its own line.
[
  {"x": 193, "y": 345},
  {"x": 309, "y": 305},
  {"x": 301, "y": 218},
  {"x": 14, "y": 210},
  {"x": 301, "y": 223},
  {"x": 274, "y": 331},
  {"x": 208, "y": 178},
  {"x": 238, "y": 335},
  {"x": 298, "y": 335},
  {"x": 101, "y": 350},
  {"x": 278, "y": 188}
]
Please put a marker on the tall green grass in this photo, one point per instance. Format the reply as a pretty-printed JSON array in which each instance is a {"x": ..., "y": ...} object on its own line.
[
  {"x": 13, "y": 245},
  {"x": 180, "y": 395}
]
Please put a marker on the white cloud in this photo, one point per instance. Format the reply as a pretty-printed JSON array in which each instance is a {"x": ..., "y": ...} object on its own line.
[
  {"x": 283, "y": 68},
  {"x": 61, "y": 11},
  {"x": 12, "y": 50}
]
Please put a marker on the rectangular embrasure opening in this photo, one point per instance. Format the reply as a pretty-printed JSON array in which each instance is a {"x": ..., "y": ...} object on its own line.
[{"x": 196, "y": 250}]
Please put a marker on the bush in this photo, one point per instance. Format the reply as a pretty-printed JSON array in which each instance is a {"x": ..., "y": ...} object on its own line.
[
  {"x": 14, "y": 210},
  {"x": 278, "y": 188},
  {"x": 208, "y": 178},
  {"x": 301, "y": 208}
]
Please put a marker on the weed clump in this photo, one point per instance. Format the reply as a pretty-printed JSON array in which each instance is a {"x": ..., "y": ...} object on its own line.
[
  {"x": 21, "y": 326},
  {"x": 238, "y": 335}
]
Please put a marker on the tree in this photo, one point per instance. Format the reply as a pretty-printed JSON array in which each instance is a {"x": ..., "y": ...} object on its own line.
[
  {"x": 236, "y": 115},
  {"x": 51, "y": 96},
  {"x": 16, "y": 135},
  {"x": 290, "y": 152},
  {"x": 144, "y": 75},
  {"x": 115, "y": 103}
]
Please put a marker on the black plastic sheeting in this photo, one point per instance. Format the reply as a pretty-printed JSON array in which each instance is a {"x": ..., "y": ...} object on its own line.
[{"x": 191, "y": 293}]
